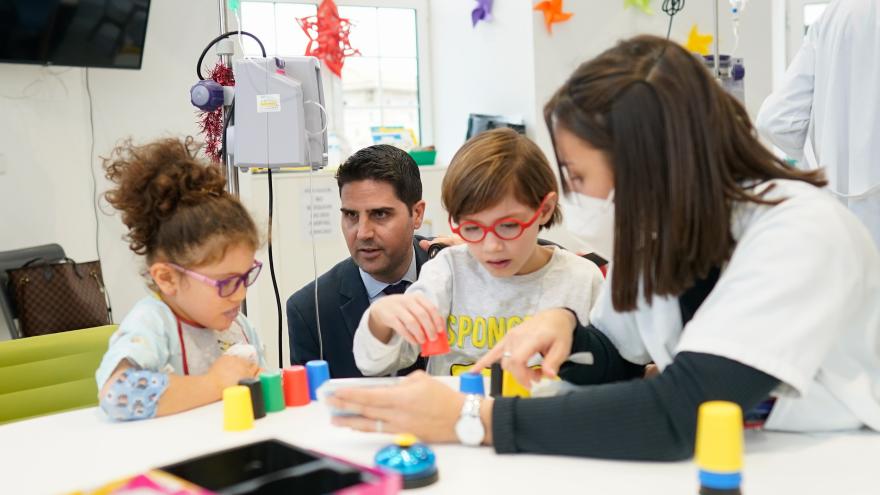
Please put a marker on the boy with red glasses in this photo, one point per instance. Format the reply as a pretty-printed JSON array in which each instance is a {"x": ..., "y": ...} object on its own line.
[{"x": 499, "y": 191}]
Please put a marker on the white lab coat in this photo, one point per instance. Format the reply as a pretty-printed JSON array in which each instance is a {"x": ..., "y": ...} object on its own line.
[
  {"x": 827, "y": 110},
  {"x": 797, "y": 300}
]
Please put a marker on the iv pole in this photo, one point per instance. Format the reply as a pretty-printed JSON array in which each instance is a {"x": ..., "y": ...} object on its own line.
[
  {"x": 717, "y": 70},
  {"x": 225, "y": 51}
]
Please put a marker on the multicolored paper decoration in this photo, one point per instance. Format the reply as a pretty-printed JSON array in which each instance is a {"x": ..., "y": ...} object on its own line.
[
  {"x": 482, "y": 12},
  {"x": 553, "y": 13},
  {"x": 211, "y": 123},
  {"x": 328, "y": 36},
  {"x": 698, "y": 43},
  {"x": 643, "y": 5}
]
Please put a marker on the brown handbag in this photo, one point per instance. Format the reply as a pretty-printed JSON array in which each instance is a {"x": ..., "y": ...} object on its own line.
[{"x": 51, "y": 297}]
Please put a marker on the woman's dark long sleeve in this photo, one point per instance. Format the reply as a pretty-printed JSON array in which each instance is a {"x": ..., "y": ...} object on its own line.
[
  {"x": 608, "y": 366},
  {"x": 650, "y": 419}
]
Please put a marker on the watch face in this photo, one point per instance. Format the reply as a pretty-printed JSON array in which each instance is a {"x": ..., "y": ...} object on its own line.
[{"x": 470, "y": 430}]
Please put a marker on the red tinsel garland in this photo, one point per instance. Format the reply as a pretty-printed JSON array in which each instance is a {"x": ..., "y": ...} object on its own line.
[{"x": 211, "y": 123}]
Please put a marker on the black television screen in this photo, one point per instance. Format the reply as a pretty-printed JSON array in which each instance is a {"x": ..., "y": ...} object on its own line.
[{"x": 83, "y": 33}]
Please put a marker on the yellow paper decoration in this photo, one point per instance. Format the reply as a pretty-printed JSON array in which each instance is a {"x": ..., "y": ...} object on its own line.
[{"x": 698, "y": 43}]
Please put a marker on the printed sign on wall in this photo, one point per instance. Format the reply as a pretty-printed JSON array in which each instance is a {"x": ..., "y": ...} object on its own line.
[{"x": 319, "y": 212}]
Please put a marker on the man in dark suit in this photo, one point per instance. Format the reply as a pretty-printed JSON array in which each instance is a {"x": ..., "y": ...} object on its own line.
[{"x": 381, "y": 192}]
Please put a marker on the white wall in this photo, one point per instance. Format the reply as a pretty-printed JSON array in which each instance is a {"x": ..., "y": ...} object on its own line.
[
  {"x": 482, "y": 70},
  {"x": 512, "y": 66},
  {"x": 45, "y": 195},
  {"x": 598, "y": 26}
]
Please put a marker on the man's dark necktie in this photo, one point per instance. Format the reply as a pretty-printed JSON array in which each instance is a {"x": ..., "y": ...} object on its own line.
[{"x": 398, "y": 288}]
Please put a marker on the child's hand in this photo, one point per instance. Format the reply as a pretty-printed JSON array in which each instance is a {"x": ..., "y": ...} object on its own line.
[
  {"x": 228, "y": 370},
  {"x": 412, "y": 316},
  {"x": 244, "y": 351},
  {"x": 449, "y": 240},
  {"x": 549, "y": 333}
]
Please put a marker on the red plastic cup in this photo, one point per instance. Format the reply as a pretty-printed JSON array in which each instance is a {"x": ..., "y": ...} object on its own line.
[
  {"x": 296, "y": 386},
  {"x": 436, "y": 347}
]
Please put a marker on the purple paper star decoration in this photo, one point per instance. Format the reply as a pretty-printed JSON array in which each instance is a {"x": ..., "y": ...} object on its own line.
[{"x": 482, "y": 12}]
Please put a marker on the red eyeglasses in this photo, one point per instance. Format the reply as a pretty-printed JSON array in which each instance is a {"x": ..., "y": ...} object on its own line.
[{"x": 506, "y": 229}]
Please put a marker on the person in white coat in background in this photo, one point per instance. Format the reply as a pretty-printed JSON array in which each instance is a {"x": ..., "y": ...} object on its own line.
[{"x": 827, "y": 110}]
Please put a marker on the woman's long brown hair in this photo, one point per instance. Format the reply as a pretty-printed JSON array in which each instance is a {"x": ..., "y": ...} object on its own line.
[{"x": 683, "y": 152}]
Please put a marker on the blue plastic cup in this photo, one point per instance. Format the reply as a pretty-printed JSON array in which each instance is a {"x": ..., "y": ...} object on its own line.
[
  {"x": 471, "y": 383},
  {"x": 318, "y": 372}
]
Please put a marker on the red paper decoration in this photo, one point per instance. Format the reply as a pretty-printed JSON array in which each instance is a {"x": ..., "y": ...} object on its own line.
[{"x": 328, "y": 36}]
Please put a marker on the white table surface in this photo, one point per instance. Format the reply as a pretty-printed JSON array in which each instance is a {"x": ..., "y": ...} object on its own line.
[{"x": 82, "y": 449}]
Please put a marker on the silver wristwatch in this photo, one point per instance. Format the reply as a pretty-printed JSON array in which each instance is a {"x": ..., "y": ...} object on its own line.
[{"x": 469, "y": 428}]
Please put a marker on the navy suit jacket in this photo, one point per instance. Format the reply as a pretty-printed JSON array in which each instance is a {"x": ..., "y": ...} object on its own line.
[{"x": 342, "y": 300}]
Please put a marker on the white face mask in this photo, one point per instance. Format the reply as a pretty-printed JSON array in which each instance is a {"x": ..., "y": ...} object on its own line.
[{"x": 591, "y": 221}]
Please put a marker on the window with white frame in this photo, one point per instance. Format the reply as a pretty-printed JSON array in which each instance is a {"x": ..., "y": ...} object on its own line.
[{"x": 384, "y": 86}]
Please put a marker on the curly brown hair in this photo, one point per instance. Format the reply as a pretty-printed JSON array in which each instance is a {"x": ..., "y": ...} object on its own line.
[{"x": 175, "y": 205}]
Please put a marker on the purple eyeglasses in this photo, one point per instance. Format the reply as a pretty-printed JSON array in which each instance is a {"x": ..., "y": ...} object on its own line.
[{"x": 229, "y": 285}]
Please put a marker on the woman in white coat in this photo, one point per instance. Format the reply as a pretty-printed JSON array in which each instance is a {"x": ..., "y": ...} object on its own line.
[
  {"x": 827, "y": 110},
  {"x": 736, "y": 275}
]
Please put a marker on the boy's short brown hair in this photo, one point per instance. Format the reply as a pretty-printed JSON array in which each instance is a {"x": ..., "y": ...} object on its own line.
[{"x": 493, "y": 164}]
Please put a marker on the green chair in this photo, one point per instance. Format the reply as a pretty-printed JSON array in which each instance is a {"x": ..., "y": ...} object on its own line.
[{"x": 50, "y": 373}]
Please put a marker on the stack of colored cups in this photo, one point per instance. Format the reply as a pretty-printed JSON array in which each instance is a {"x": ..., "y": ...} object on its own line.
[
  {"x": 719, "y": 449},
  {"x": 273, "y": 396},
  {"x": 238, "y": 413},
  {"x": 318, "y": 372},
  {"x": 256, "y": 391},
  {"x": 296, "y": 386},
  {"x": 436, "y": 347},
  {"x": 471, "y": 383}
]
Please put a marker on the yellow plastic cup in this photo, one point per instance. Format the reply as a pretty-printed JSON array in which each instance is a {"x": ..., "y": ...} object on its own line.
[
  {"x": 512, "y": 388},
  {"x": 719, "y": 437},
  {"x": 238, "y": 412}
]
